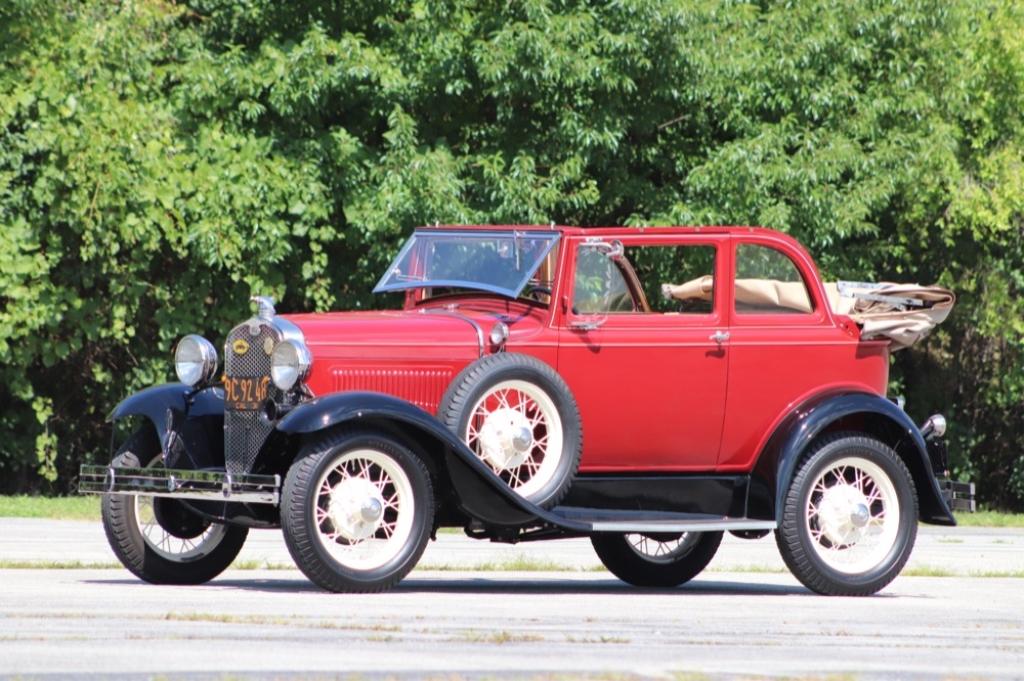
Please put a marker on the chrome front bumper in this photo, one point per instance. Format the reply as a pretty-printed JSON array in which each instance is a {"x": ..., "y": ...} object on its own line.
[{"x": 180, "y": 484}]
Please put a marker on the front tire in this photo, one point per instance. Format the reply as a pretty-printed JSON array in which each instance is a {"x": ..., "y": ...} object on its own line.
[
  {"x": 158, "y": 539},
  {"x": 656, "y": 560},
  {"x": 849, "y": 519},
  {"x": 357, "y": 510}
]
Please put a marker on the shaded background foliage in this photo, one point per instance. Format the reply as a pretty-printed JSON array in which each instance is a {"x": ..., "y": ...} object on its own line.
[{"x": 160, "y": 161}]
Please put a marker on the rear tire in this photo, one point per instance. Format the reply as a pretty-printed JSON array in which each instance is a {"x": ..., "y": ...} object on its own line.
[
  {"x": 357, "y": 510},
  {"x": 157, "y": 538},
  {"x": 849, "y": 519},
  {"x": 655, "y": 560}
]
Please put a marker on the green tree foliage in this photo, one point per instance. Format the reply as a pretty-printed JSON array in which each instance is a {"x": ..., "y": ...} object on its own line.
[{"x": 159, "y": 161}]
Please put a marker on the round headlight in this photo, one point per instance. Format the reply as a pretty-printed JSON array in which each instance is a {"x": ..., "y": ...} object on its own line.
[
  {"x": 195, "y": 360},
  {"x": 290, "y": 364}
]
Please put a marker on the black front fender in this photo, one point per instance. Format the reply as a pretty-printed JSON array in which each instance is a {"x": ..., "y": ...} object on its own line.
[
  {"x": 777, "y": 463},
  {"x": 196, "y": 415},
  {"x": 480, "y": 493}
]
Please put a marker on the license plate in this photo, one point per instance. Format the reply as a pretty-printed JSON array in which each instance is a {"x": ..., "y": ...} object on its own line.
[{"x": 245, "y": 394}]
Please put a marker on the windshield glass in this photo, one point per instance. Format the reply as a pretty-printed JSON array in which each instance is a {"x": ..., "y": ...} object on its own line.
[{"x": 497, "y": 262}]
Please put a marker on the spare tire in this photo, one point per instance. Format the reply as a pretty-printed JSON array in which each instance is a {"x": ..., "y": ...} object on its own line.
[{"x": 519, "y": 417}]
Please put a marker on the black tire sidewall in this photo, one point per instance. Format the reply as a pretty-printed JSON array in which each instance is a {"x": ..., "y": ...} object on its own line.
[
  {"x": 622, "y": 561},
  {"x": 794, "y": 515},
  {"x": 120, "y": 524},
  {"x": 471, "y": 385},
  {"x": 314, "y": 558}
]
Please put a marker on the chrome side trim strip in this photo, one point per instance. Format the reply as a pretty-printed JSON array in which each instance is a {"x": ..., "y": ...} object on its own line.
[
  {"x": 683, "y": 526},
  {"x": 469, "y": 320}
]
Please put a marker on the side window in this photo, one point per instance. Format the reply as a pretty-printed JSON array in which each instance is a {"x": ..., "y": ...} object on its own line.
[
  {"x": 676, "y": 279},
  {"x": 600, "y": 285},
  {"x": 768, "y": 282}
]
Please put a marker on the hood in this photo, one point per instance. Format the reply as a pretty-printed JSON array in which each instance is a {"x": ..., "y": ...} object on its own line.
[{"x": 412, "y": 354}]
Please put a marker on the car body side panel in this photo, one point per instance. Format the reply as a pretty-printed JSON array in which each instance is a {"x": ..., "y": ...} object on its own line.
[
  {"x": 650, "y": 387},
  {"x": 779, "y": 360}
]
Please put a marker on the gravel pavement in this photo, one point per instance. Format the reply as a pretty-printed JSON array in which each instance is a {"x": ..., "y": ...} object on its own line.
[{"x": 741, "y": 617}]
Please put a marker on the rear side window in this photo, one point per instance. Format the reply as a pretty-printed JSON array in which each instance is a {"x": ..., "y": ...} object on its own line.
[{"x": 768, "y": 282}]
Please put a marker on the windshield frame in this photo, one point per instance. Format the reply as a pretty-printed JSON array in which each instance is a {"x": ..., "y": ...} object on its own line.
[{"x": 551, "y": 237}]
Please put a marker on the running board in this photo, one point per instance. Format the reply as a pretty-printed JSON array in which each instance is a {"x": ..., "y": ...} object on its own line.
[{"x": 600, "y": 520}]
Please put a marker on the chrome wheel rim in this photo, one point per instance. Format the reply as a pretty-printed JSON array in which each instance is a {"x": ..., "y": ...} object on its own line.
[
  {"x": 662, "y": 551},
  {"x": 852, "y": 515},
  {"x": 516, "y": 430},
  {"x": 165, "y": 544},
  {"x": 364, "y": 509}
]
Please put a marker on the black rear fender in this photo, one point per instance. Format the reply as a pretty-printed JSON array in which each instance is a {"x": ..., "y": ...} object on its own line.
[
  {"x": 834, "y": 412},
  {"x": 473, "y": 487}
]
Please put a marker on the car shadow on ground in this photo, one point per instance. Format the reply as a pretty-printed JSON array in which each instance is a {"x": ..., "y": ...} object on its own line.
[{"x": 503, "y": 585}]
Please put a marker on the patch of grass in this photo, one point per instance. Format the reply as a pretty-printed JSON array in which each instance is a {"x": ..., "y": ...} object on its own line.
[
  {"x": 928, "y": 571},
  {"x": 936, "y": 571},
  {"x": 85, "y": 507},
  {"x": 752, "y": 568},
  {"x": 498, "y": 637},
  {"x": 990, "y": 519},
  {"x": 6, "y": 564},
  {"x": 950, "y": 540},
  {"x": 260, "y": 565},
  {"x": 516, "y": 564},
  {"x": 596, "y": 639},
  {"x": 223, "y": 618}
]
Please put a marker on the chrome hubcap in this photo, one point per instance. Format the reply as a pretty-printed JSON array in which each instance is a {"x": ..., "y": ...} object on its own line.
[
  {"x": 516, "y": 430},
  {"x": 853, "y": 515},
  {"x": 364, "y": 509},
  {"x": 505, "y": 439},
  {"x": 844, "y": 513},
  {"x": 356, "y": 508}
]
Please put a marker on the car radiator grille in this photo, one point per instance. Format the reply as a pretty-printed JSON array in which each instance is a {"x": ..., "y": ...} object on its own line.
[{"x": 245, "y": 432}]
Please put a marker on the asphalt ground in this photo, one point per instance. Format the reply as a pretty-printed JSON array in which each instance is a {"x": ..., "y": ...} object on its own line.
[{"x": 742, "y": 617}]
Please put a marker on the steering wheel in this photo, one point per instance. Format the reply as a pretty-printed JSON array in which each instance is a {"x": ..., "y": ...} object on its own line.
[{"x": 533, "y": 289}]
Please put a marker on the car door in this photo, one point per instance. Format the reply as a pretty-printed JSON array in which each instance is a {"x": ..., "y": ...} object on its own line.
[{"x": 648, "y": 372}]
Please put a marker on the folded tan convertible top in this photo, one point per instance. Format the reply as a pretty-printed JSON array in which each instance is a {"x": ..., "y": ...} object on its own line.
[{"x": 902, "y": 313}]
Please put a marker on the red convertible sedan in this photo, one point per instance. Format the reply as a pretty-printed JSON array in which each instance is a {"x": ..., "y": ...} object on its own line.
[{"x": 647, "y": 388}]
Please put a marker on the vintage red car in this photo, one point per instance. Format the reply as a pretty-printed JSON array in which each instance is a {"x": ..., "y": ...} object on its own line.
[{"x": 647, "y": 388}]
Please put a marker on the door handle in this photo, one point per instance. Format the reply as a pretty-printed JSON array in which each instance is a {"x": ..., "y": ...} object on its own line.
[{"x": 719, "y": 336}]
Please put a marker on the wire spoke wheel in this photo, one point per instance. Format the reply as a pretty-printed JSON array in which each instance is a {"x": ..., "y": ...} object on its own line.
[
  {"x": 656, "y": 559},
  {"x": 363, "y": 510},
  {"x": 160, "y": 539},
  {"x": 852, "y": 515},
  {"x": 849, "y": 516},
  {"x": 515, "y": 429},
  {"x": 168, "y": 542},
  {"x": 357, "y": 510},
  {"x": 661, "y": 548}
]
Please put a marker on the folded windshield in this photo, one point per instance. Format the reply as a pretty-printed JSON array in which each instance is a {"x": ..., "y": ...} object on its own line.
[{"x": 497, "y": 262}]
